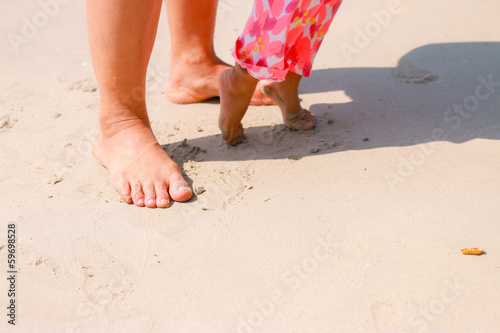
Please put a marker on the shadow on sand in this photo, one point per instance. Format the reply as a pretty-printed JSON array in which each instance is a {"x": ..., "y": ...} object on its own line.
[{"x": 438, "y": 92}]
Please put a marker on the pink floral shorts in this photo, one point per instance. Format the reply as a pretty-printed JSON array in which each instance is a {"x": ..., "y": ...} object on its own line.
[{"x": 282, "y": 36}]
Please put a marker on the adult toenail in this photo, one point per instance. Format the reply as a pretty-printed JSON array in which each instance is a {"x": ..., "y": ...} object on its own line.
[
  {"x": 163, "y": 202},
  {"x": 183, "y": 188},
  {"x": 140, "y": 202},
  {"x": 151, "y": 202}
]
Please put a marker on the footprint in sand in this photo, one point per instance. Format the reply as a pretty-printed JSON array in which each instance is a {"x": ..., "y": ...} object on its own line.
[
  {"x": 85, "y": 85},
  {"x": 412, "y": 74},
  {"x": 383, "y": 313},
  {"x": 6, "y": 122}
]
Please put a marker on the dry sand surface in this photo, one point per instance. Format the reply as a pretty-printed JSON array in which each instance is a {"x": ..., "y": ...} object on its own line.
[{"x": 355, "y": 226}]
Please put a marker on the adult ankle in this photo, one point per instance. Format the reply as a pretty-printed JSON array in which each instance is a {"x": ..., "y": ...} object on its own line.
[
  {"x": 117, "y": 116},
  {"x": 193, "y": 56}
]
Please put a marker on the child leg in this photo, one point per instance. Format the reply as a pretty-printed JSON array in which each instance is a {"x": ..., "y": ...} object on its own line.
[
  {"x": 279, "y": 43},
  {"x": 236, "y": 87},
  {"x": 286, "y": 95}
]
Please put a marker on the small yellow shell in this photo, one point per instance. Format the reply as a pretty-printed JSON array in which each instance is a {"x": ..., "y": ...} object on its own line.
[{"x": 472, "y": 250}]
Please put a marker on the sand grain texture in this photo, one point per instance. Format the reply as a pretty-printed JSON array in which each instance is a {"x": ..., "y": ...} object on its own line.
[{"x": 321, "y": 231}]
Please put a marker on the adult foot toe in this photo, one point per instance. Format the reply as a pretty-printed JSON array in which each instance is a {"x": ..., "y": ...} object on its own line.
[
  {"x": 149, "y": 195},
  {"x": 137, "y": 194},
  {"x": 179, "y": 189},
  {"x": 162, "y": 198}
]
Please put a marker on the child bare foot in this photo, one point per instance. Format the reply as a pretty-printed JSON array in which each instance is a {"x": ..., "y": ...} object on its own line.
[
  {"x": 285, "y": 94},
  {"x": 140, "y": 170},
  {"x": 197, "y": 81},
  {"x": 236, "y": 87}
]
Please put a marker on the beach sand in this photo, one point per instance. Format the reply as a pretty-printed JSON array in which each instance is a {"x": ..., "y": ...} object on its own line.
[{"x": 355, "y": 226}]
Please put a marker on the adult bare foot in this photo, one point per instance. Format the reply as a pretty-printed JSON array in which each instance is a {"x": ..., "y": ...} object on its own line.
[
  {"x": 140, "y": 170},
  {"x": 236, "y": 87},
  {"x": 121, "y": 42},
  {"x": 194, "y": 82},
  {"x": 286, "y": 95}
]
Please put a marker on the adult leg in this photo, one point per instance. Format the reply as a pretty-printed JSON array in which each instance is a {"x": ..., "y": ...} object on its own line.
[
  {"x": 194, "y": 66},
  {"x": 121, "y": 37}
]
